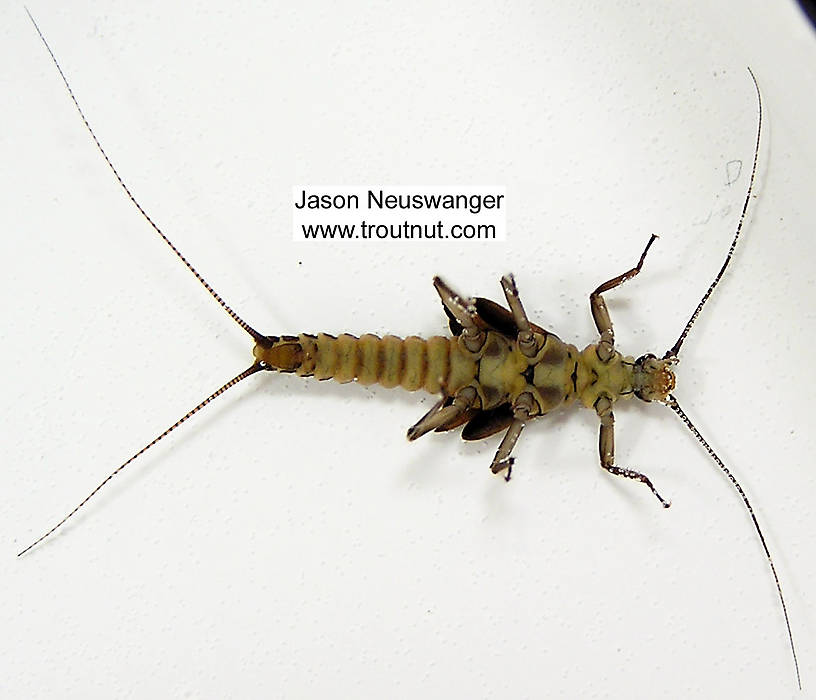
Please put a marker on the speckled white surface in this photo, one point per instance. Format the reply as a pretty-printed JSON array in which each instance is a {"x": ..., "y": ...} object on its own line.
[{"x": 289, "y": 542}]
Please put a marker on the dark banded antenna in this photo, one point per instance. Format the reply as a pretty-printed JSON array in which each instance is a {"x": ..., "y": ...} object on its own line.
[
  {"x": 676, "y": 347},
  {"x": 671, "y": 402}
]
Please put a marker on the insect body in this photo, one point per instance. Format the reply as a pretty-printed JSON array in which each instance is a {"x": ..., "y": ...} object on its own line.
[
  {"x": 494, "y": 374},
  {"x": 497, "y": 372}
]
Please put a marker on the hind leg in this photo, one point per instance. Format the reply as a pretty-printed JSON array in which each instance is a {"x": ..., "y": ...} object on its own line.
[
  {"x": 464, "y": 311},
  {"x": 440, "y": 414}
]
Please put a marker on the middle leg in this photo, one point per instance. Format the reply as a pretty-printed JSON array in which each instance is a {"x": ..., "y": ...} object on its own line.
[
  {"x": 525, "y": 338},
  {"x": 522, "y": 412}
]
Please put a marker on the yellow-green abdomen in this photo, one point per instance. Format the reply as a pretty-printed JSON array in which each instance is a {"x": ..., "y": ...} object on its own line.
[{"x": 436, "y": 365}]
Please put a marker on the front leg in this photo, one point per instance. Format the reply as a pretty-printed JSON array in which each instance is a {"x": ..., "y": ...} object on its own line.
[
  {"x": 606, "y": 446},
  {"x": 600, "y": 314}
]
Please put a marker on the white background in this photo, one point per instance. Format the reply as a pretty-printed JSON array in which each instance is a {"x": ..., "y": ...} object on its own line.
[{"x": 289, "y": 542}]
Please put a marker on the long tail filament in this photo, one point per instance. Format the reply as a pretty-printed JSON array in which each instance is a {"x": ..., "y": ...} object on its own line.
[
  {"x": 258, "y": 337},
  {"x": 231, "y": 383}
]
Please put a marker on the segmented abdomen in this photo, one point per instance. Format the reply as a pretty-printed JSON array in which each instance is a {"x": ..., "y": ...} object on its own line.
[{"x": 436, "y": 365}]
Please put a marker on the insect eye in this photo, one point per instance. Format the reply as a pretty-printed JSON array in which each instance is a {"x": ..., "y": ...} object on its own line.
[
  {"x": 653, "y": 378},
  {"x": 644, "y": 358}
]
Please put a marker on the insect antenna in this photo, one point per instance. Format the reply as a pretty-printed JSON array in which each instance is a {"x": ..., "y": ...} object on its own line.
[
  {"x": 257, "y": 367},
  {"x": 258, "y": 337},
  {"x": 676, "y": 347},
  {"x": 671, "y": 402}
]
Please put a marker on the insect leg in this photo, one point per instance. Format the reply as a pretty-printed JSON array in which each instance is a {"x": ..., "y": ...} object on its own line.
[
  {"x": 525, "y": 338},
  {"x": 464, "y": 311},
  {"x": 522, "y": 410},
  {"x": 606, "y": 446},
  {"x": 441, "y": 414},
  {"x": 600, "y": 314}
]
